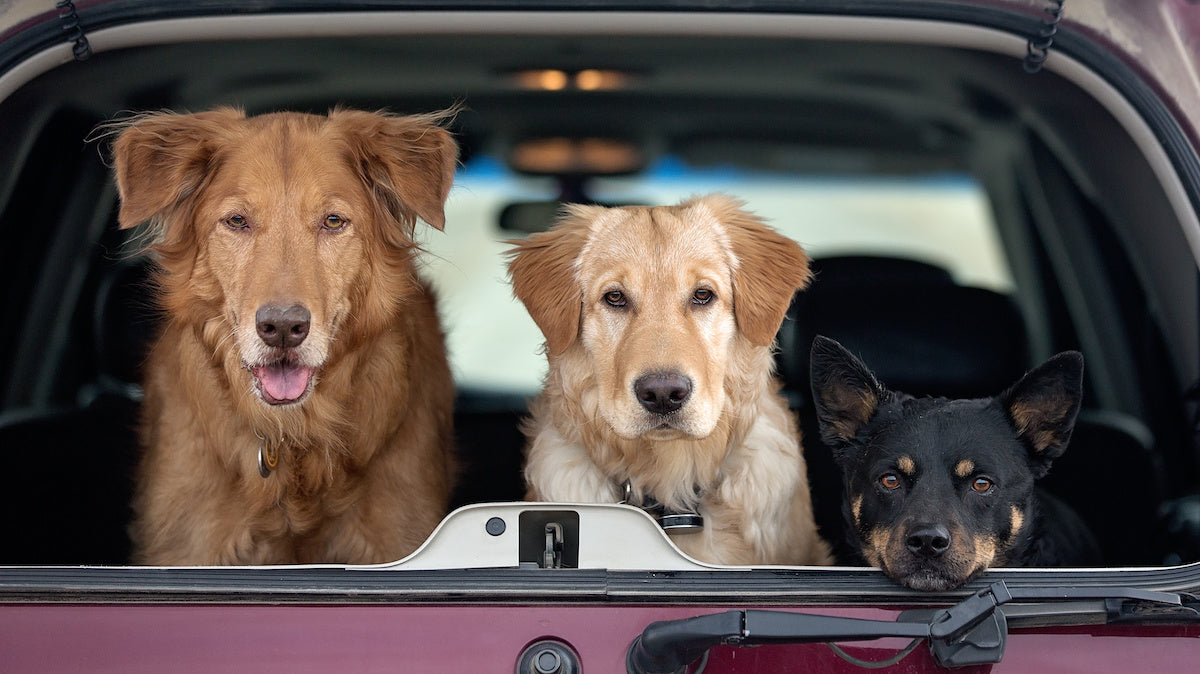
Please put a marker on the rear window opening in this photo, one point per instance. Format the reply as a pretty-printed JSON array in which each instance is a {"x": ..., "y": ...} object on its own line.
[{"x": 989, "y": 255}]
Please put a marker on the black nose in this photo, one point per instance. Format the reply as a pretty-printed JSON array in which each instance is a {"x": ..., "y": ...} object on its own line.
[
  {"x": 283, "y": 326},
  {"x": 662, "y": 392},
  {"x": 928, "y": 540}
]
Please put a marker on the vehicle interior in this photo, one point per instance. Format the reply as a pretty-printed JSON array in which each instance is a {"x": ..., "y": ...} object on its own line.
[{"x": 967, "y": 219}]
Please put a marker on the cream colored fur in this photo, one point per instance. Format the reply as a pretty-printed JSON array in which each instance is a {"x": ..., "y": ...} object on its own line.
[{"x": 733, "y": 441}]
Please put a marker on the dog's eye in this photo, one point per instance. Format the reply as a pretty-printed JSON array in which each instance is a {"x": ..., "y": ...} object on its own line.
[
  {"x": 702, "y": 296},
  {"x": 237, "y": 222},
  {"x": 334, "y": 222},
  {"x": 982, "y": 485},
  {"x": 889, "y": 481},
  {"x": 615, "y": 298}
]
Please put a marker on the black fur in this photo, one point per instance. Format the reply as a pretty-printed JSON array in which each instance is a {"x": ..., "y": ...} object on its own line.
[{"x": 938, "y": 490}]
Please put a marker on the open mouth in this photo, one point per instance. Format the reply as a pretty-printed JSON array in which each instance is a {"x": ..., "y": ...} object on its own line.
[{"x": 282, "y": 382}]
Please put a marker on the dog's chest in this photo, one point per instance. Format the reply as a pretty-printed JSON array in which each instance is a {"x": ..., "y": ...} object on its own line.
[{"x": 302, "y": 491}]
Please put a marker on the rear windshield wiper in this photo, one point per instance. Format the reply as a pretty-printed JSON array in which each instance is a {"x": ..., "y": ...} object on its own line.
[{"x": 971, "y": 632}]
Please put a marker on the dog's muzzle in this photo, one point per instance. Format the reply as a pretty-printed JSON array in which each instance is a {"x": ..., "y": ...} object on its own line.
[{"x": 282, "y": 380}]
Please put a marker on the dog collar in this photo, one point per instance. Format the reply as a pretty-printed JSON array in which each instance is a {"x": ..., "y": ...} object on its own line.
[
  {"x": 672, "y": 521},
  {"x": 268, "y": 456}
]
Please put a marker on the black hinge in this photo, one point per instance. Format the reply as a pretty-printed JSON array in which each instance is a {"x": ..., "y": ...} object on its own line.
[
  {"x": 1038, "y": 47},
  {"x": 71, "y": 26}
]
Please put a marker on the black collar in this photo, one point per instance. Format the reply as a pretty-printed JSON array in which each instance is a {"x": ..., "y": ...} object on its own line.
[{"x": 672, "y": 521}]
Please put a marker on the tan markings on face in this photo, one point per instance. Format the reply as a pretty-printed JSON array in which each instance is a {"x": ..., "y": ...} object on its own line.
[
  {"x": 985, "y": 551},
  {"x": 1016, "y": 521},
  {"x": 907, "y": 465},
  {"x": 654, "y": 261},
  {"x": 287, "y": 254},
  {"x": 856, "y": 508},
  {"x": 964, "y": 468},
  {"x": 877, "y": 546}
]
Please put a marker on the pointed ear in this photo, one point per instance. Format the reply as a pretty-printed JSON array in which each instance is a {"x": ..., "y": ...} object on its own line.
[
  {"x": 845, "y": 393},
  {"x": 408, "y": 161},
  {"x": 1043, "y": 405},
  {"x": 161, "y": 159},
  {"x": 542, "y": 269},
  {"x": 770, "y": 268}
]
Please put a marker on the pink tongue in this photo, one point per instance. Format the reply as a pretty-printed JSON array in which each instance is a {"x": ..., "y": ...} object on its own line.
[{"x": 283, "y": 382}]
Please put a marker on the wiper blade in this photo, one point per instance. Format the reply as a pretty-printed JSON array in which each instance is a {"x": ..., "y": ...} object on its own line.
[{"x": 970, "y": 632}]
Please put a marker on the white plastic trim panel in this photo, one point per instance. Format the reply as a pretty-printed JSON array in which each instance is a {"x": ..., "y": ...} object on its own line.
[{"x": 614, "y": 537}]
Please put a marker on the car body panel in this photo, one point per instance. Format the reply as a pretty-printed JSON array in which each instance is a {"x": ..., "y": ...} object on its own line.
[{"x": 186, "y": 638}]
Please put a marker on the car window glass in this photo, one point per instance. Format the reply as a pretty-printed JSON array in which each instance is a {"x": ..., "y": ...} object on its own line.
[{"x": 943, "y": 219}]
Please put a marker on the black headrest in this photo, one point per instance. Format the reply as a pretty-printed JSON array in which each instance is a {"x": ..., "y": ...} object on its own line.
[{"x": 911, "y": 324}]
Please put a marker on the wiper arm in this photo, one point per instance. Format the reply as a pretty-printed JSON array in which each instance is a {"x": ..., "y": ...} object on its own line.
[
  {"x": 668, "y": 646},
  {"x": 970, "y": 632}
]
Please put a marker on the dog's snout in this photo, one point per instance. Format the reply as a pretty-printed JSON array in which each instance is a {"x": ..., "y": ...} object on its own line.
[
  {"x": 929, "y": 540},
  {"x": 283, "y": 326},
  {"x": 662, "y": 392}
]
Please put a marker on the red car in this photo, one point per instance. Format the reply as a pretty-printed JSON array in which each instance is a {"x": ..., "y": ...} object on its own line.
[{"x": 981, "y": 184}]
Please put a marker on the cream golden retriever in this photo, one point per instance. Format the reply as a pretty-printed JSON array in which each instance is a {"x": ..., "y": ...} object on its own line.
[
  {"x": 298, "y": 400},
  {"x": 659, "y": 324}
]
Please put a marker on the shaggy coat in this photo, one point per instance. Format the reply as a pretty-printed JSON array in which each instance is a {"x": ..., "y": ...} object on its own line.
[
  {"x": 296, "y": 334},
  {"x": 659, "y": 324}
]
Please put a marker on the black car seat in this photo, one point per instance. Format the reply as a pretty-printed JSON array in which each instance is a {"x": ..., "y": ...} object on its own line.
[
  {"x": 71, "y": 468},
  {"x": 922, "y": 333},
  {"x": 490, "y": 445}
]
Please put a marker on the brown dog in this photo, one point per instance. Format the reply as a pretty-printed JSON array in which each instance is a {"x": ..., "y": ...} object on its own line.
[
  {"x": 659, "y": 324},
  {"x": 298, "y": 401}
]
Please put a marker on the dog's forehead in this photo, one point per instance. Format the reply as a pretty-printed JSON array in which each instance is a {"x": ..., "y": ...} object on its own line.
[
  {"x": 269, "y": 153},
  {"x": 659, "y": 239},
  {"x": 944, "y": 433}
]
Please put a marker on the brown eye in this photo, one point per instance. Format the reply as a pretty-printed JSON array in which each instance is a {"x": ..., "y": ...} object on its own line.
[
  {"x": 615, "y": 298},
  {"x": 982, "y": 485},
  {"x": 237, "y": 222},
  {"x": 334, "y": 222},
  {"x": 702, "y": 296},
  {"x": 889, "y": 481}
]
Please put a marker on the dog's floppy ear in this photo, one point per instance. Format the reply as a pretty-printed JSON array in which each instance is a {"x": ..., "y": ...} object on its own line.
[
  {"x": 845, "y": 393},
  {"x": 542, "y": 269},
  {"x": 770, "y": 269},
  {"x": 1043, "y": 405},
  {"x": 408, "y": 161},
  {"x": 160, "y": 160}
]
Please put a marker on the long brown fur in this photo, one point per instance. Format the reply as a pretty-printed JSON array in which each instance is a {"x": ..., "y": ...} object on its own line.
[
  {"x": 732, "y": 451},
  {"x": 365, "y": 460}
]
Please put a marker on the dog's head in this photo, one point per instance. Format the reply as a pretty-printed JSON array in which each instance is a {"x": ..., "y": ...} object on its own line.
[
  {"x": 655, "y": 302},
  {"x": 276, "y": 230},
  {"x": 939, "y": 490}
]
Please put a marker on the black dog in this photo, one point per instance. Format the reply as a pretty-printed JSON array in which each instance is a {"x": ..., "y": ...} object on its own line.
[{"x": 938, "y": 490}]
